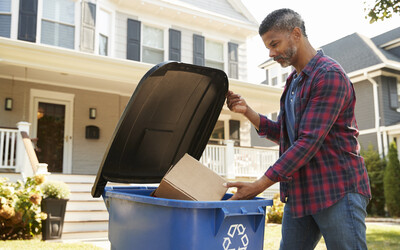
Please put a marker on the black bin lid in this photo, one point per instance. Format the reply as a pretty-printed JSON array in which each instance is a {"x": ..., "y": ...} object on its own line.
[{"x": 172, "y": 112}]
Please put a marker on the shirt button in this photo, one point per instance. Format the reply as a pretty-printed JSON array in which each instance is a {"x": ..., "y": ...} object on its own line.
[
  {"x": 291, "y": 100},
  {"x": 292, "y": 92}
]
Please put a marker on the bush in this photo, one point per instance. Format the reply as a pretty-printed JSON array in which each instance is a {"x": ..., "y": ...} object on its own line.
[
  {"x": 20, "y": 215},
  {"x": 55, "y": 190},
  {"x": 392, "y": 183},
  {"x": 275, "y": 213},
  {"x": 375, "y": 167}
]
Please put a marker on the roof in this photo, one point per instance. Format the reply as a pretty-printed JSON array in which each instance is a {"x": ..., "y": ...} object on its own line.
[
  {"x": 356, "y": 52},
  {"x": 352, "y": 52},
  {"x": 230, "y": 8}
]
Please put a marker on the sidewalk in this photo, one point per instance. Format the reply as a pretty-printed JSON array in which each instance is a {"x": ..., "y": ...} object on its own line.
[{"x": 387, "y": 221}]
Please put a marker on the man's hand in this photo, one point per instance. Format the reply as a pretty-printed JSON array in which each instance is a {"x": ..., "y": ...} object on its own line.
[
  {"x": 249, "y": 190},
  {"x": 236, "y": 103}
]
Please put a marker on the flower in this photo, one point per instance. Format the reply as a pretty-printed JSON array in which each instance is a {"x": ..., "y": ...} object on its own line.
[
  {"x": 7, "y": 212},
  {"x": 56, "y": 190},
  {"x": 35, "y": 199},
  {"x": 40, "y": 178}
]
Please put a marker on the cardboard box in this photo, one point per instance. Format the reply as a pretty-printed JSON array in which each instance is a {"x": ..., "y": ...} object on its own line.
[{"x": 191, "y": 180}]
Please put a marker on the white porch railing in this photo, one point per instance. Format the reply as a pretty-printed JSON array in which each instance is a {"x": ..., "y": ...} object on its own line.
[
  {"x": 17, "y": 153},
  {"x": 232, "y": 162},
  {"x": 8, "y": 148}
]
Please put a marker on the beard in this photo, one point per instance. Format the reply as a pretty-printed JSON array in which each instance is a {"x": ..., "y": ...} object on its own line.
[{"x": 286, "y": 58}]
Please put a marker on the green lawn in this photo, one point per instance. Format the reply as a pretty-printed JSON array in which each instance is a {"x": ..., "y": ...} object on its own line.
[
  {"x": 44, "y": 245},
  {"x": 379, "y": 237}
]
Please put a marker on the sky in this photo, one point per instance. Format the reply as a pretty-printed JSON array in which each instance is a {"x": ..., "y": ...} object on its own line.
[{"x": 325, "y": 21}]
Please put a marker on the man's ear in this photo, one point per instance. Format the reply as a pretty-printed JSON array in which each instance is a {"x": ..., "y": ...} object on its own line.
[{"x": 296, "y": 33}]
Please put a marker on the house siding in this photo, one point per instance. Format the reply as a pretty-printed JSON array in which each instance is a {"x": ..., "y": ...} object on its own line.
[
  {"x": 87, "y": 154},
  {"x": 368, "y": 139},
  {"x": 242, "y": 56},
  {"x": 364, "y": 109},
  {"x": 121, "y": 31},
  {"x": 20, "y": 95},
  {"x": 186, "y": 42}
]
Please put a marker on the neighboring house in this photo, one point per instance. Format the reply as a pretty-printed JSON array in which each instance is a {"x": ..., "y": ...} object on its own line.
[
  {"x": 373, "y": 66},
  {"x": 69, "y": 67}
]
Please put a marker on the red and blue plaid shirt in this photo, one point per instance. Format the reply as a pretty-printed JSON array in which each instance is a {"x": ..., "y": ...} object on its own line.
[{"x": 324, "y": 162}]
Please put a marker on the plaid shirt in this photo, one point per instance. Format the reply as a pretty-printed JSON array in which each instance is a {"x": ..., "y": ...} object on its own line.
[{"x": 324, "y": 163}]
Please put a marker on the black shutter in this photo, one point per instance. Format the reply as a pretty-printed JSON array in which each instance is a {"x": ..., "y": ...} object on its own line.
[
  {"x": 393, "y": 96},
  {"x": 233, "y": 60},
  {"x": 198, "y": 50},
  {"x": 88, "y": 29},
  {"x": 27, "y": 20},
  {"x": 174, "y": 45},
  {"x": 133, "y": 40}
]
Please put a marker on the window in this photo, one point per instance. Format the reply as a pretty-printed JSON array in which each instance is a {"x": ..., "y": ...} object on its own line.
[
  {"x": 5, "y": 18},
  {"x": 58, "y": 23},
  {"x": 231, "y": 127},
  {"x": 104, "y": 32},
  {"x": 218, "y": 134},
  {"x": 214, "y": 55},
  {"x": 234, "y": 131},
  {"x": 233, "y": 60},
  {"x": 274, "y": 81},
  {"x": 284, "y": 77},
  {"x": 153, "y": 45}
]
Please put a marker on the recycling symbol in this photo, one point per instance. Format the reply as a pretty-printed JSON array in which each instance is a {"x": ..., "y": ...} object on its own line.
[{"x": 236, "y": 230}]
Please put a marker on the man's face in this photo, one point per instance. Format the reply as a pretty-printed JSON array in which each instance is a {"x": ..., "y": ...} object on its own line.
[{"x": 281, "y": 46}]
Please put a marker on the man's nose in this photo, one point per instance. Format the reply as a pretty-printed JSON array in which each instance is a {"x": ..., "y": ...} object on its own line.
[{"x": 272, "y": 53}]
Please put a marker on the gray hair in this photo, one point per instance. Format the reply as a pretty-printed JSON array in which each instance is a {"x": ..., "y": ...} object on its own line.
[{"x": 282, "y": 19}]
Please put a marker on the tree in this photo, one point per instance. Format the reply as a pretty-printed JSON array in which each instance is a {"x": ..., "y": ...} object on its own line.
[
  {"x": 375, "y": 167},
  {"x": 383, "y": 9},
  {"x": 391, "y": 182}
]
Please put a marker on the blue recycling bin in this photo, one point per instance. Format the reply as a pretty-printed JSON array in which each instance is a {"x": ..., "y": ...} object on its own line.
[
  {"x": 140, "y": 221},
  {"x": 172, "y": 112}
]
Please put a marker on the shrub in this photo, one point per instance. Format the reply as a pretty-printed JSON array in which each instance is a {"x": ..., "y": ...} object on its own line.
[
  {"x": 392, "y": 183},
  {"x": 55, "y": 190},
  {"x": 20, "y": 216},
  {"x": 275, "y": 213},
  {"x": 375, "y": 167}
]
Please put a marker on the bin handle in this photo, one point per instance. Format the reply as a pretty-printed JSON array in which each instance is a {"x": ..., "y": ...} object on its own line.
[{"x": 224, "y": 213}]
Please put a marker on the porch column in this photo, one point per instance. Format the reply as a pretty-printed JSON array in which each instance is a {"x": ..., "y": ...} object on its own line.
[
  {"x": 22, "y": 162},
  {"x": 230, "y": 159}
]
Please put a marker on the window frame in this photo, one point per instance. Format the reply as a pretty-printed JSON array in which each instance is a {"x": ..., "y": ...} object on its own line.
[
  {"x": 10, "y": 13},
  {"x": 224, "y": 53},
  {"x": 98, "y": 33},
  {"x": 164, "y": 42},
  {"x": 41, "y": 18}
]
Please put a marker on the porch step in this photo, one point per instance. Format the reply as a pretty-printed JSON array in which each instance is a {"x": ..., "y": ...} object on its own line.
[
  {"x": 90, "y": 226},
  {"x": 85, "y": 235},
  {"x": 85, "y": 217}
]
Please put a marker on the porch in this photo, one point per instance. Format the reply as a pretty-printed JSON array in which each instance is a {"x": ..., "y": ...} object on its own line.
[
  {"x": 87, "y": 217},
  {"x": 229, "y": 161}
]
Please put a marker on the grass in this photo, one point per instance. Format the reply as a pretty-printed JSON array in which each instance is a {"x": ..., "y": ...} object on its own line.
[
  {"x": 379, "y": 237},
  {"x": 45, "y": 245}
]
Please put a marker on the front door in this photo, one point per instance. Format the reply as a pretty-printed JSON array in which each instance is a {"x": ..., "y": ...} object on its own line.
[
  {"x": 51, "y": 117},
  {"x": 50, "y": 135}
]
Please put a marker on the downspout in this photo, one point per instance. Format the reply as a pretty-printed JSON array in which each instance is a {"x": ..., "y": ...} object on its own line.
[{"x": 376, "y": 111}]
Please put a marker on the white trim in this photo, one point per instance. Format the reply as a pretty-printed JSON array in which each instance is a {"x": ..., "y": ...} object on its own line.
[
  {"x": 391, "y": 45},
  {"x": 37, "y": 96},
  {"x": 14, "y": 19}
]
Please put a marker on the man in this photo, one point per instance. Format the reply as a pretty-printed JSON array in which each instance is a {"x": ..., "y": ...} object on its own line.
[{"x": 323, "y": 179}]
